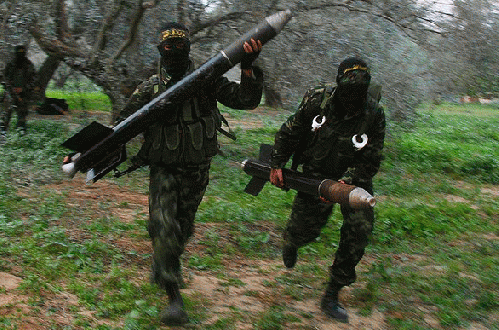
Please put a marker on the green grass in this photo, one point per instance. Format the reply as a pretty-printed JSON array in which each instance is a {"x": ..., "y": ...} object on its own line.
[
  {"x": 433, "y": 253},
  {"x": 94, "y": 101}
]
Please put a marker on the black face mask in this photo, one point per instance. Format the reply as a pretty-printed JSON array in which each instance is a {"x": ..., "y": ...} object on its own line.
[
  {"x": 352, "y": 90},
  {"x": 20, "y": 57},
  {"x": 175, "y": 56}
]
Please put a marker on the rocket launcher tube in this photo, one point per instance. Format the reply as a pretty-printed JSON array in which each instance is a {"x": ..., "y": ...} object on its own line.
[{"x": 330, "y": 190}]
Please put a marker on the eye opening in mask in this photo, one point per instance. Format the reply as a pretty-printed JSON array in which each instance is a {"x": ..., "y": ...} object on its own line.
[
  {"x": 174, "y": 47},
  {"x": 178, "y": 43},
  {"x": 355, "y": 77}
]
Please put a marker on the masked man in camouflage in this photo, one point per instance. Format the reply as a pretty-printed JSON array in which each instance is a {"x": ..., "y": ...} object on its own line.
[
  {"x": 178, "y": 150},
  {"x": 337, "y": 133},
  {"x": 19, "y": 83}
]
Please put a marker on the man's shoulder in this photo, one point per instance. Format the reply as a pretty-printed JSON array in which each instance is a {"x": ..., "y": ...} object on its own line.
[
  {"x": 317, "y": 97},
  {"x": 153, "y": 80},
  {"x": 319, "y": 90},
  {"x": 148, "y": 85},
  {"x": 374, "y": 97}
]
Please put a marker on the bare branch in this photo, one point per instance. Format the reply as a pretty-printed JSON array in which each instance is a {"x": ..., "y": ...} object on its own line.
[
  {"x": 182, "y": 7},
  {"x": 217, "y": 20},
  {"x": 53, "y": 46},
  {"x": 61, "y": 22},
  {"x": 10, "y": 9},
  {"x": 107, "y": 25},
  {"x": 382, "y": 13},
  {"x": 134, "y": 26}
]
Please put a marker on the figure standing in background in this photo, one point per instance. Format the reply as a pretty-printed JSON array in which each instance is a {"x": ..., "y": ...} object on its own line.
[{"x": 19, "y": 79}]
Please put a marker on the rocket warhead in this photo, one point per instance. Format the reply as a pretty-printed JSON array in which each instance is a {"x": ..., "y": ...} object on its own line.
[
  {"x": 264, "y": 31},
  {"x": 360, "y": 198},
  {"x": 278, "y": 20},
  {"x": 342, "y": 193}
]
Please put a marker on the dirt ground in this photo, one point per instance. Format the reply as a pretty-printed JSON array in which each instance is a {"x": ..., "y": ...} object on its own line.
[
  {"x": 204, "y": 284},
  {"x": 55, "y": 308}
]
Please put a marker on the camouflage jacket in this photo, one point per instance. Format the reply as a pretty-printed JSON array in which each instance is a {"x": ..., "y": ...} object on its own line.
[
  {"x": 187, "y": 133},
  {"x": 329, "y": 152}
]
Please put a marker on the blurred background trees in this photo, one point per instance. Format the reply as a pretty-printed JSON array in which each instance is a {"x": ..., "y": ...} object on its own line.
[{"x": 418, "y": 50}]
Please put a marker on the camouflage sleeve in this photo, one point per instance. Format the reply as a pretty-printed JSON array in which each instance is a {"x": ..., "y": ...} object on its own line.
[
  {"x": 296, "y": 128},
  {"x": 142, "y": 95},
  {"x": 369, "y": 161},
  {"x": 242, "y": 96}
]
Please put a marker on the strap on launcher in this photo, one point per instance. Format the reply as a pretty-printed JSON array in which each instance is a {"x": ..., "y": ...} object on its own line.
[
  {"x": 107, "y": 164},
  {"x": 230, "y": 134}
]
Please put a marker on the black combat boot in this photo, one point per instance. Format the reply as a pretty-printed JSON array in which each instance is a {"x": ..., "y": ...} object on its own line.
[
  {"x": 289, "y": 254},
  {"x": 330, "y": 305},
  {"x": 174, "y": 314}
]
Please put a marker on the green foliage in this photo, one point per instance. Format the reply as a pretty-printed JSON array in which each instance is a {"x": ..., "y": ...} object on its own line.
[
  {"x": 421, "y": 222},
  {"x": 95, "y": 101},
  {"x": 452, "y": 142},
  {"x": 433, "y": 253},
  {"x": 274, "y": 319}
]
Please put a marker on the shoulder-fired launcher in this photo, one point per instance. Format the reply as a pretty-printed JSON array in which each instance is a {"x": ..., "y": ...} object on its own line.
[
  {"x": 100, "y": 149},
  {"x": 330, "y": 190}
]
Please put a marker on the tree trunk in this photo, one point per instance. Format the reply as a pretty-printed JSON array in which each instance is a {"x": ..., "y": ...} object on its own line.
[
  {"x": 45, "y": 73},
  {"x": 272, "y": 97}
]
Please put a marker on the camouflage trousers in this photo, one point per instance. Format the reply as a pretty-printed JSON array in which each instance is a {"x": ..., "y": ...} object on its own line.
[
  {"x": 10, "y": 105},
  {"x": 309, "y": 215},
  {"x": 174, "y": 197}
]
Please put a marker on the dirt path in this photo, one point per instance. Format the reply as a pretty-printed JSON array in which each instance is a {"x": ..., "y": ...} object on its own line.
[
  {"x": 57, "y": 310},
  {"x": 221, "y": 299}
]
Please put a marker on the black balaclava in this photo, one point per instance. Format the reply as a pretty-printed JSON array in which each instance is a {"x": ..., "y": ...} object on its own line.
[
  {"x": 353, "y": 81},
  {"x": 20, "y": 55},
  {"x": 174, "y": 48}
]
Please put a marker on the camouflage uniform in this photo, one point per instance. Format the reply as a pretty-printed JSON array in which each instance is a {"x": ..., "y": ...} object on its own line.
[
  {"x": 178, "y": 149},
  {"x": 18, "y": 75},
  {"x": 329, "y": 153}
]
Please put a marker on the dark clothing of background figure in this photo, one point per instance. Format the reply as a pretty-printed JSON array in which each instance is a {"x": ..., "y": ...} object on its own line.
[
  {"x": 329, "y": 153},
  {"x": 19, "y": 83},
  {"x": 178, "y": 148}
]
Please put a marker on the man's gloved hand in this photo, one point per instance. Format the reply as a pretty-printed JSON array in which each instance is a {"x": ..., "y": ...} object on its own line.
[{"x": 252, "y": 51}]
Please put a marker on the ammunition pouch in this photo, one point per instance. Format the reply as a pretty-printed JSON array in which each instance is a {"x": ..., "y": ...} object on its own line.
[{"x": 192, "y": 143}]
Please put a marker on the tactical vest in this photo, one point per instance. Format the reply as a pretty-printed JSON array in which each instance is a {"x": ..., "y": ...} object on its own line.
[
  {"x": 330, "y": 150},
  {"x": 186, "y": 135}
]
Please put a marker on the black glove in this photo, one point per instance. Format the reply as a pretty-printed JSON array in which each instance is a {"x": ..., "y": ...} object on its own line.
[{"x": 248, "y": 59}]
